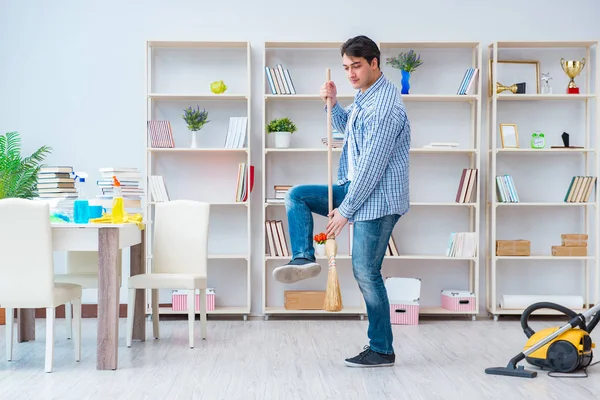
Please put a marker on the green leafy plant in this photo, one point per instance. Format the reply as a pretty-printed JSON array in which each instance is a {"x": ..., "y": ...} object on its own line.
[
  {"x": 405, "y": 61},
  {"x": 195, "y": 118},
  {"x": 18, "y": 175},
  {"x": 281, "y": 125}
]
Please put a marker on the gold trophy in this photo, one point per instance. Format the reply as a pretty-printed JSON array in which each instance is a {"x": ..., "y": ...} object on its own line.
[{"x": 572, "y": 69}]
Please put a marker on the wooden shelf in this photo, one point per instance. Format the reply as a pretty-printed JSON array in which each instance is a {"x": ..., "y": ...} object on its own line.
[
  {"x": 179, "y": 165},
  {"x": 544, "y": 97},
  {"x": 304, "y": 79},
  {"x": 586, "y": 118},
  {"x": 196, "y": 97},
  {"x": 530, "y": 151}
]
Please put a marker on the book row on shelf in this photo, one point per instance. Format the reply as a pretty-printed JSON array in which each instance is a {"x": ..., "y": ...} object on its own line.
[
  {"x": 160, "y": 133},
  {"x": 579, "y": 191},
  {"x": 280, "y": 80},
  {"x": 466, "y": 186}
]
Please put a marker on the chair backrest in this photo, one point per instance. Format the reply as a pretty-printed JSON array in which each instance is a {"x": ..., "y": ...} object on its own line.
[
  {"x": 26, "y": 254},
  {"x": 181, "y": 237}
]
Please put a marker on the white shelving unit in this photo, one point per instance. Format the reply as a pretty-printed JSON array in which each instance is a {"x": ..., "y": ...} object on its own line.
[
  {"x": 433, "y": 90},
  {"x": 542, "y": 176},
  {"x": 178, "y": 76}
]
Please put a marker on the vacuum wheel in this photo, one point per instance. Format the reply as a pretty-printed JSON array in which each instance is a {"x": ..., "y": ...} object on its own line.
[{"x": 562, "y": 356}]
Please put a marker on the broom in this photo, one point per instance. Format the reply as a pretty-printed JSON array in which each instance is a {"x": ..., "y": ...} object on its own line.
[{"x": 333, "y": 295}]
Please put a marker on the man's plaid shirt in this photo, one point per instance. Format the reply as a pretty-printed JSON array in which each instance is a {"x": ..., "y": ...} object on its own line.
[{"x": 380, "y": 129}]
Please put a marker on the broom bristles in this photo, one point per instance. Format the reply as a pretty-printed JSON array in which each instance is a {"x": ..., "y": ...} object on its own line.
[{"x": 333, "y": 294}]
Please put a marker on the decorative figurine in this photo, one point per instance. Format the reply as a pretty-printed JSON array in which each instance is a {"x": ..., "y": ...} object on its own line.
[
  {"x": 546, "y": 88},
  {"x": 538, "y": 141}
]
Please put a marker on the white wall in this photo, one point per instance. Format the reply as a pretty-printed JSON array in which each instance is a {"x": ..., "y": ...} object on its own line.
[{"x": 72, "y": 72}]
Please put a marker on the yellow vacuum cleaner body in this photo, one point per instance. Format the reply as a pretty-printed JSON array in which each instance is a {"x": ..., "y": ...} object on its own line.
[
  {"x": 566, "y": 348},
  {"x": 568, "y": 352}
]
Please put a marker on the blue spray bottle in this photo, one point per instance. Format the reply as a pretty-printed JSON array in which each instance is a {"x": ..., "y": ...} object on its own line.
[{"x": 81, "y": 206}]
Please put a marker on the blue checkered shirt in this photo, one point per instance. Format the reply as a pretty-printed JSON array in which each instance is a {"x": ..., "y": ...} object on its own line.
[{"x": 380, "y": 130}]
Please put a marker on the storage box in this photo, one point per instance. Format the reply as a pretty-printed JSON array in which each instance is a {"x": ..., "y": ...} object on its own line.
[
  {"x": 179, "y": 298},
  {"x": 404, "y": 295},
  {"x": 304, "y": 299},
  {"x": 574, "y": 239},
  {"x": 513, "y": 247},
  {"x": 569, "y": 251},
  {"x": 458, "y": 300}
]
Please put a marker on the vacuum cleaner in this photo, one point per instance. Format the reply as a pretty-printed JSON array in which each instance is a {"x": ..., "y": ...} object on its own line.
[{"x": 564, "y": 349}]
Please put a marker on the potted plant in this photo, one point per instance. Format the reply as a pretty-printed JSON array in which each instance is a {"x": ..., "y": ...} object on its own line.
[
  {"x": 195, "y": 120},
  {"x": 320, "y": 239},
  {"x": 18, "y": 175},
  {"x": 283, "y": 129},
  {"x": 407, "y": 63}
]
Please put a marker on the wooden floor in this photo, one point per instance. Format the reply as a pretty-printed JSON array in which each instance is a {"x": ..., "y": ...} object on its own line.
[{"x": 290, "y": 359}]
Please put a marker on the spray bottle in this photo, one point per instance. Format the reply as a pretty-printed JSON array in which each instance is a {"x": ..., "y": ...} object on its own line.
[
  {"x": 81, "y": 206},
  {"x": 118, "y": 211}
]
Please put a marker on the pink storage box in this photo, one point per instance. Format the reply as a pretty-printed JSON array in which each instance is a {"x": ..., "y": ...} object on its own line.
[
  {"x": 458, "y": 300},
  {"x": 179, "y": 298},
  {"x": 403, "y": 295}
]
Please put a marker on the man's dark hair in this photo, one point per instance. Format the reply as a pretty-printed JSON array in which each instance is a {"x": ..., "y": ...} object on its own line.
[{"x": 362, "y": 46}]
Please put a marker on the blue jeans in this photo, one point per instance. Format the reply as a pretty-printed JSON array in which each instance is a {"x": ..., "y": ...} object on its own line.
[{"x": 368, "y": 250}]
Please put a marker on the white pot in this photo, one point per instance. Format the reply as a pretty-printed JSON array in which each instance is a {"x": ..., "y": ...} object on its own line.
[
  {"x": 282, "y": 139},
  {"x": 320, "y": 249},
  {"x": 193, "y": 145}
]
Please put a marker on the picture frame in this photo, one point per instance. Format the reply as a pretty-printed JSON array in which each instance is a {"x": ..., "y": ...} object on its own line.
[
  {"x": 509, "y": 136},
  {"x": 510, "y": 72}
]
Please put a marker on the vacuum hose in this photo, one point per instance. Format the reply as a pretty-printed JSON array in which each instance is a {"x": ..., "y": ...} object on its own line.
[{"x": 553, "y": 306}]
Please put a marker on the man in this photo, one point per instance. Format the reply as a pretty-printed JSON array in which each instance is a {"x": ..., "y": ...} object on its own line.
[{"x": 371, "y": 191}]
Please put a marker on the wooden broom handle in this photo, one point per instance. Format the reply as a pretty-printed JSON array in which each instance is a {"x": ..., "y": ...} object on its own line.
[{"x": 329, "y": 140}]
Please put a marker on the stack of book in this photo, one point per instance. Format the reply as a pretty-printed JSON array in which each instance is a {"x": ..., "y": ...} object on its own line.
[
  {"x": 56, "y": 182},
  {"x": 337, "y": 139},
  {"x": 130, "y": 178}
]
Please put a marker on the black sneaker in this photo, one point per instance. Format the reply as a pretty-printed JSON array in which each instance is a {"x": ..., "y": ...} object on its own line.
[
  {"x": 370, "y": 358},
  {"x": 297, "y": 270}
]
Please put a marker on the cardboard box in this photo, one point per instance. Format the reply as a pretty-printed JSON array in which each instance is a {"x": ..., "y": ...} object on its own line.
[
  {"x": 404, "y": 295},
  {"x": 179, "y": 299},
  {"x": 458, "y": 300},
  {"x": 569, "y": 251},
  {"x": 304, "y": 299},
  {"x": 574, "y": 239},
  {"x": 513, "y": 247}
]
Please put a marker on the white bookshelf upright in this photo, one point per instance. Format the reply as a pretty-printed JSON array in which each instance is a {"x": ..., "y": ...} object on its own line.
[
  {"x": 178, "y": 76},
  {"x": 422, "y": 235},
  {"x": 541, "y": 176}
]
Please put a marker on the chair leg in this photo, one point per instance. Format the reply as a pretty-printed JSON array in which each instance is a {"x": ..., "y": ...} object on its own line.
[
  {"x": 10, "y": 324},
  {"x": 155, "y": 330},
  {"x": 77, "y": 334},
  {"x": 49, "y": 338},
  {"x": 69, "y": 320},
  {"x": 191, "y": 306},
  {"x": 130, "y": 315},
  {"x": 203, "y": 313}
]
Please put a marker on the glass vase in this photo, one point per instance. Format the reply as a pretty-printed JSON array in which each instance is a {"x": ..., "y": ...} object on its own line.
[{"x": 405, "y": 82}]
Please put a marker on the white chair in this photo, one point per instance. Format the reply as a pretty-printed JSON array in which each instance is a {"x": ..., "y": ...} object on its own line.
[
  {"x": 179, "y": 261},
  {"x": 82, "y": 269},
  {"x": 27, "y": 271}
]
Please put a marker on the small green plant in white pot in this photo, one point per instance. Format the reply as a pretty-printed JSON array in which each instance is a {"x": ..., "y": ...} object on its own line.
[
  {"x": 283, "y": 129},
  {"x": 195, "y": 120}
]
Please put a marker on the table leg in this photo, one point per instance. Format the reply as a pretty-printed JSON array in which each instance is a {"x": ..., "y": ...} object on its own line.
[
  {"x": 26, "y": 321},
  {"x": 138, "y": 266},
  {"x": 108, "y": 299}
]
